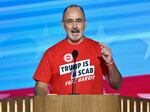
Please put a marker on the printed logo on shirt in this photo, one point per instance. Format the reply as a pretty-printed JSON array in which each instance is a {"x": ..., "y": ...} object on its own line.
[
  {"x": 68, "y": 57},
  {"x": 83, "y": 68}
]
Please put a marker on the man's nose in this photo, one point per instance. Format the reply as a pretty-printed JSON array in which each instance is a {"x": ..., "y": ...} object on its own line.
[{"x": 74, "y": 24}]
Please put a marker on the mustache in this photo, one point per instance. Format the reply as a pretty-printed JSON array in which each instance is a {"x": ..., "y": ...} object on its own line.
[{"x": 75, "y": 30}]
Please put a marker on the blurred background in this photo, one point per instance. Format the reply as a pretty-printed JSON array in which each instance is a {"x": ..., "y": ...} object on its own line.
[{"x": 29, "y": 27}]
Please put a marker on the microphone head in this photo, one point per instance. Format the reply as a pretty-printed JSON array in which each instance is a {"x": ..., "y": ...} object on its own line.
[{"x": 74, "y": 53}]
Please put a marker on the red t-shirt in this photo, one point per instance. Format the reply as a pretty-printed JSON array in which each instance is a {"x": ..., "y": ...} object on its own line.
[{"x": 55, "y": 68}]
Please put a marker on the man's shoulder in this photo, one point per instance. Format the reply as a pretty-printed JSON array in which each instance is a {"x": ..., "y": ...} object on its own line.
[
  {"x": 91, "y": 41},
  {"x": 56, "y": 46}
]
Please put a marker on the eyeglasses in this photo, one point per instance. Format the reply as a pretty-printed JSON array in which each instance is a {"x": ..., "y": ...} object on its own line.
[{"x": 77, "y": 21}]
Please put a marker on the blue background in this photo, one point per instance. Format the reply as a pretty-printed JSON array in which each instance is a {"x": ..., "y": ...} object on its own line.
[{"x": 29, "y": 27}]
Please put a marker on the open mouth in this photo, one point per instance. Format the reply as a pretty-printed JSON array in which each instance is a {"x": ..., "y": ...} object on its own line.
[{"x": 75, "y": 32}]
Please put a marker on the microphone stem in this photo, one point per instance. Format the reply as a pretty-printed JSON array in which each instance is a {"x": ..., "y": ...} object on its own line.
[{"x": 74, "y": 78}]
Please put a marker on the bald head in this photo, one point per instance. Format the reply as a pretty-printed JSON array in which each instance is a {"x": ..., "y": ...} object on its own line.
[{"x": 73, "y": 6}]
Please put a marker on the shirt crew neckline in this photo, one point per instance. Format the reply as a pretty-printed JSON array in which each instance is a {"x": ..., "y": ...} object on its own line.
[{"x": 74, "y": 45}]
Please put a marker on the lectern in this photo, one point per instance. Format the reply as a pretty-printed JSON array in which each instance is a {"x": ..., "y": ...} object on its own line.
[{"x": 75, "y": 103}]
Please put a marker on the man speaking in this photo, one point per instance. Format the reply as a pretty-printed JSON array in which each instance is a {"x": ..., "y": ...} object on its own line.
[{"x": 57, "y": 66}]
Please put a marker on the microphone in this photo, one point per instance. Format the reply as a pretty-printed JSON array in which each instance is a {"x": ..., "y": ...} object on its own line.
[{"x": 74, "y": 54}]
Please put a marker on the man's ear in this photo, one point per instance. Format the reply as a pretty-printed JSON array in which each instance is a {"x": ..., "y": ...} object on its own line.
[
  {"x": 85, "y": 24},
  {"x": 63, "y": 25}
]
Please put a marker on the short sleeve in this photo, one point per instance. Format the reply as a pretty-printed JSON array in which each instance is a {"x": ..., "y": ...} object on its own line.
[{"x": 43, "y": 71}]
